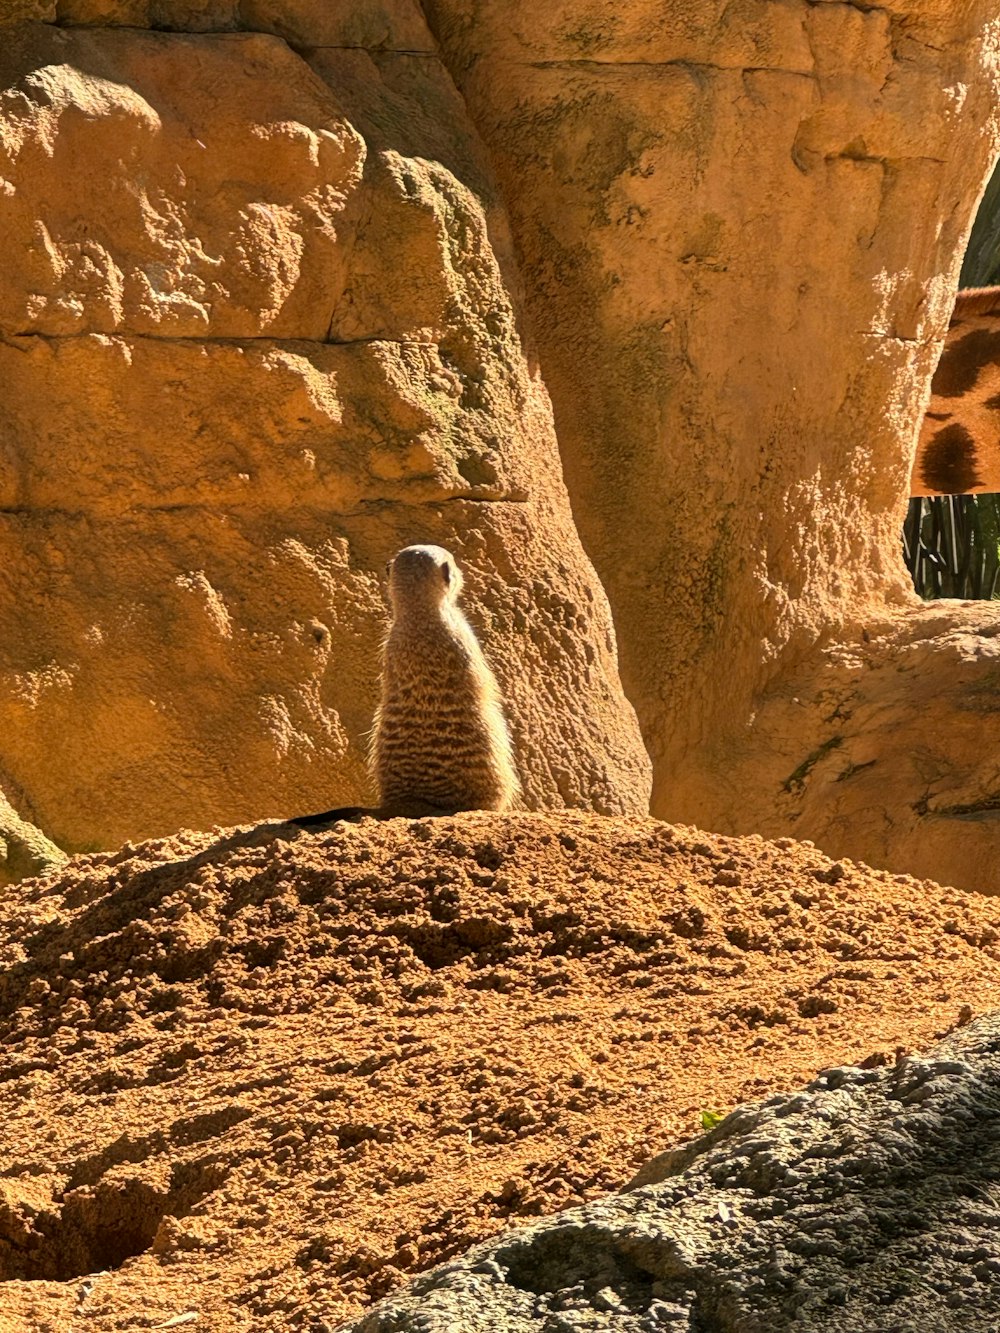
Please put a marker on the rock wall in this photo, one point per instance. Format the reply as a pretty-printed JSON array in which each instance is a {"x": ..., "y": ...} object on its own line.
[
  {"x": 259, "y": 327},
  {"x": 741, "y": 229},
  {"x": 231, "y": 393}
]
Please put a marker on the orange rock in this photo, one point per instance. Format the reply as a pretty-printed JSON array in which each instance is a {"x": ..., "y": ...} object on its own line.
[
  {"x": 742, "y": 228},
  {"x": 259, "y": 334}
]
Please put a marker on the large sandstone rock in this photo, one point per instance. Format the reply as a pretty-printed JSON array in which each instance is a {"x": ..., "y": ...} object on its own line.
[
  {"x": 867, "y": 1201},
  {"x": 741, "y": 229},
  {"x": 379, "y": 24},
  {"x": 886, "y": 743},
  {"x": 257, "y": 331}
]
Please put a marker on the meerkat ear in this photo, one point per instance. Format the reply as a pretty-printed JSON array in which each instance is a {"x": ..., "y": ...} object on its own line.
[
  {"x": 446, "y": 572},
  {"x": 388, "y": 568}
]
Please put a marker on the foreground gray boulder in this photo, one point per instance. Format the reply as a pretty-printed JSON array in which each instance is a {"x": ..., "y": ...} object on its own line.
[{"x": 869, "y": 1201}]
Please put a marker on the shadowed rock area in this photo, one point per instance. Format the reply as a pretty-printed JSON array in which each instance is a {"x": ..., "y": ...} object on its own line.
[
  {"x": 255, "y": 1079},
  {"x": 870, "y": 1200}
]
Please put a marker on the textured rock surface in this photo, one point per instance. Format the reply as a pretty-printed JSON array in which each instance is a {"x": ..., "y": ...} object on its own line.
[
  {"x": 230, "y": 395},
  {"x": 741, "y": 227},
  {"x": 836, "y": 751},
  {"x": 255, "y": 1078},
  {"x": 379, "y": 24},
  {"x": 739, "y": 233},
  {"x": 867, "y": 1201}
]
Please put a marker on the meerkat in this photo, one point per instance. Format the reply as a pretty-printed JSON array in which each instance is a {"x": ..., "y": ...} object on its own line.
[
  {"x": 440, "y": 736},
  {"x": 440, "y": 742}
]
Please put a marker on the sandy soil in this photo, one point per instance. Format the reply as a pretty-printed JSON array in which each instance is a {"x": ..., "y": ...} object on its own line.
[{"x": 251, "y": 1079}]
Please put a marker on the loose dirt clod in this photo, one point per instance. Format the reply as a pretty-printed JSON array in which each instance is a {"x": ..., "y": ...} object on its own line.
[{"x": 260, "y": 1076}]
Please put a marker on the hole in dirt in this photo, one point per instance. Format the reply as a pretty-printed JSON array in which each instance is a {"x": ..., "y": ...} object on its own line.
[
  {"x": 95, "y": 1228},
  {"x": 440, "y": 946}
]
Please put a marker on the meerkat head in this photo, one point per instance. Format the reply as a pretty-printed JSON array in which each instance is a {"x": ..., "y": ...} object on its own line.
[{"x": 424, "y": 575}]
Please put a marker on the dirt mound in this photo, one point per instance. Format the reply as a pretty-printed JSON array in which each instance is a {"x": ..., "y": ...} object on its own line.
[{"x": 253, "y": 1079}]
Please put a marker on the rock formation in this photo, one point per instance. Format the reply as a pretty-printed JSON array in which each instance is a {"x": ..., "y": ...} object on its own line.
[
  {"x": 259, "y": 329},
  {"x": 741, "y": 229},
  {"x": 228, "y": 395},
  {"x": 866, "y": 1201}
]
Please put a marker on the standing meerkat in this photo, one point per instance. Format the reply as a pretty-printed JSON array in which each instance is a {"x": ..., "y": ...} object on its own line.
[
  {"x": 440, "y": 742},
  {"x": 440, "y": 737}
]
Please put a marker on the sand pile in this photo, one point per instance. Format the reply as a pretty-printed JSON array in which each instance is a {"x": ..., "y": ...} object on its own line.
[{"x": 253, "y": 1079}]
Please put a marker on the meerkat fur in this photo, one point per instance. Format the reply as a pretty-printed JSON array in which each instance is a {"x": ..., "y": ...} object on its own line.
[{"x": 440, "y": 738}]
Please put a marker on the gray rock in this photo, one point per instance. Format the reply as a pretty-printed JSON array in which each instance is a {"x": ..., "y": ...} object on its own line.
[{"x": 868, "y": 1203}]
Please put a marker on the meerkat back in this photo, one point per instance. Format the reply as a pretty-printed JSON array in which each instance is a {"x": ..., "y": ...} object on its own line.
[{"x": 440, "y": 738}]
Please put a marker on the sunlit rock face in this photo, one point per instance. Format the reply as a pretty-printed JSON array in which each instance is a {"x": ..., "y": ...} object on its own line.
[
  {"x": 741, "y": 228},
  {"x": 258, "y": 331}
]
